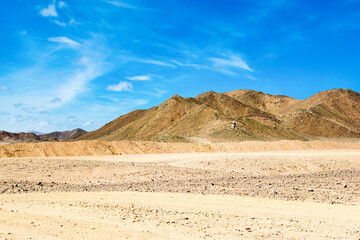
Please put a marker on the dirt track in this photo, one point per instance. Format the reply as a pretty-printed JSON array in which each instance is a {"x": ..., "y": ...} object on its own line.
[{"x": 295, "y": 194}]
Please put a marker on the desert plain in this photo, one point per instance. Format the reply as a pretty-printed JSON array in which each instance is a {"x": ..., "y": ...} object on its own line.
[{"x": 253, "y": 190}]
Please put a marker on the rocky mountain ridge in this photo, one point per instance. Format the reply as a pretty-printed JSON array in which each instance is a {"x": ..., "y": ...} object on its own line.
[
  {"x": 30, "y": 136},
  {"x": 259, "y": 116}
]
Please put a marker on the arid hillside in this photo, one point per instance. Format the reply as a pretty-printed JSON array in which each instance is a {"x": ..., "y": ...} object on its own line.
[
  {"x": 330, "y": 114},
  {"x": 259, "y": 116},
  {"x": 61, "y": 136},
  {"x": 274, "y": 104},
  {"x": 8, "y": 136}
]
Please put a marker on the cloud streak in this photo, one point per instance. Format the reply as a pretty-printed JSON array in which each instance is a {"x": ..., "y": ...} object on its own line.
[
  {"x": 62, "y": 24},
  {"x": 226, "y": 64},
  {"x": 50, "y": 86},
  {"x": 121, "y": 4},
  {"x": 65, "y": 40},
  {"x": 4, "y": 88},
  {"x": 62, "y": 4},
  {"x": 139, "y": 78},
  {"x": 157, "y": 92},
  {"x": 155, "y": 62},
  {"x": 50, "y": 11},
  {"x": 230, "y": 62},
  {"x": 90, "y": 66},
  {"x": 120, "y": 87}
]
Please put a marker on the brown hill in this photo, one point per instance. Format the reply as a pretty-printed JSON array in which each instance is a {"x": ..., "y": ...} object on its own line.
[
  {"x": 274, "y": 104},
  {"x": 207, "y": 116},
  {"x": 61, "y": 136},
  {"x": 334, "y": 113},
  {"x": 8, "y": 136},
  {"x": 259, "y": 116}
]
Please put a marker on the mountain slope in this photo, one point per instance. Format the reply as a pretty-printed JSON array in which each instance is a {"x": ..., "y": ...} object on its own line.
[
  {"x": 333, "y": 113},
  {"x": 207, "y": 116},
  {"x": 8, "y": 136},
  {"x": 61, "y": 136},
  {"x": 274, "y": 104},
  {"x": 259, "y": 116}
]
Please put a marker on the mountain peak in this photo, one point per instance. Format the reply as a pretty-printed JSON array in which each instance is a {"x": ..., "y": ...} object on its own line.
[
  {"x": 205, "y": 94},
  {"x": 176, "y": 97}
]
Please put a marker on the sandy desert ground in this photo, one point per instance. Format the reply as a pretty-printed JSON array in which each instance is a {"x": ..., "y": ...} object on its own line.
[
  {"x": 312, "y": 194},
  {"x": 99, "y": 148}
]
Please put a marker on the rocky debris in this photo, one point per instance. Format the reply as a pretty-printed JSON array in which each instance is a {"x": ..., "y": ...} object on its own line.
[
  {"x": 285, "y": 187},
  {"x": 101, "y": 213}
]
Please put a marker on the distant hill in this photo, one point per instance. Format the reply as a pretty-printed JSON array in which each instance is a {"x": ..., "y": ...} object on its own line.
[
  {"x": 8, "y": 136},
  {"x": 31, "y": 136},
  {"x": 36, "y": 132},
  {"x": 62, "y": 136}
]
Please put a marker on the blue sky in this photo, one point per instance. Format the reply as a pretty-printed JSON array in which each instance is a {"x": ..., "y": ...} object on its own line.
[{"x": 68, "y": 64}]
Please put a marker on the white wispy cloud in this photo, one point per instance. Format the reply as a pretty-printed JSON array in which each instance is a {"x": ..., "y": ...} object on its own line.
[
  {"x": 126, "y": 103},
  {"x": 57, "y": 81},
  {"x": 62, "y": 24},
  {"x": 121, "y": 4},
  {"x": 188, "y": 64},
  {"x": 43, "y": 86},
  {"x": 228, "y": 64},
  {"x": 139, "y": 78},
  {"x": 138, "y": 102},
  {"x": 4, "y": 88},
  {"x": 232, "y": 61},
  {"x": 251, "y": 77},
  {"x": 155, "y": 62},
  {"x": 71, "y": 118},
  {"x": 88, "y": 123},
  {"x": 43, "y": 123},
  {"x": 62, "y": 4},
  {"x": 120, "y": 87},
  {"x": 157, "y": 92},
  {"x": 73, "y": 22},
  {"x": 50, "y": 11},
  {"x": 64, "y": 40},
  {"x": 177, "y": 62},
  {"x": 225, "y": 62},
  {"x": 89, "y": 68}
]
